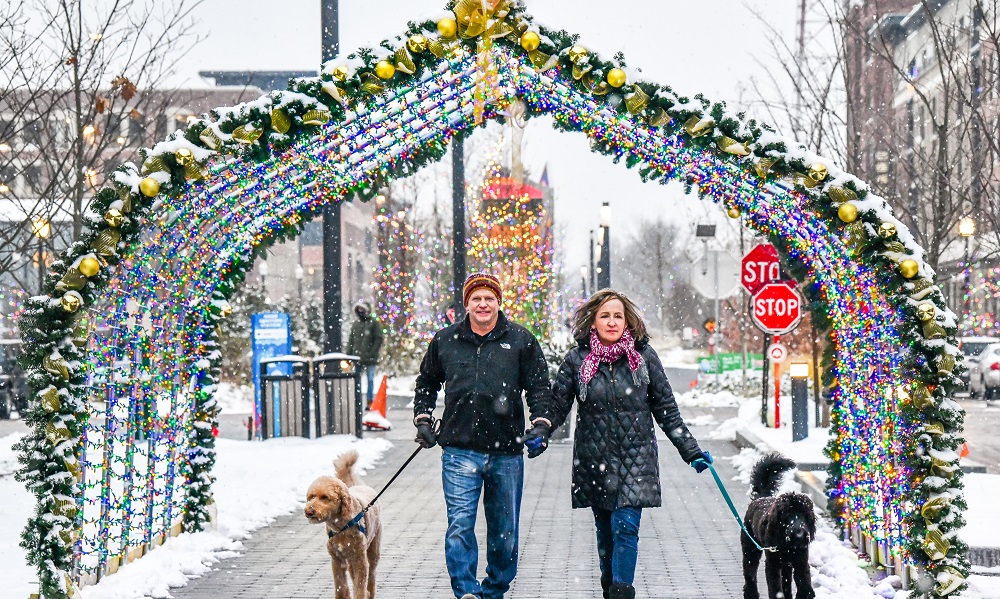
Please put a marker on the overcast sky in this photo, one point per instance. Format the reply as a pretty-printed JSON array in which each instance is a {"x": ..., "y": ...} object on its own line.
[{"x": 708, "y": 46}]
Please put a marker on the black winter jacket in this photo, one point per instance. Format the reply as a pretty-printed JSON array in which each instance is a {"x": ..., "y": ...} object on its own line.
[
  {"x": 483, "y": 384},
  {"x": 615, "y": 457},
  {"x": 365, "y": 340}
]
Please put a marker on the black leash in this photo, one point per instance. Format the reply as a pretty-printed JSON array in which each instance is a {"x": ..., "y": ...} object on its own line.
[{"x": 356, "y": 521}]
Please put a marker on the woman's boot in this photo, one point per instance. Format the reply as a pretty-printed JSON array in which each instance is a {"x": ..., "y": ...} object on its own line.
[
  {"x": 606, "y": 587},
  {"x": 621, "y": 591}
]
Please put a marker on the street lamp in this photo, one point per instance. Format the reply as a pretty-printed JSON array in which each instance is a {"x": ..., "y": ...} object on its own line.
[
  {"x": 583, "y": 281},
  {"x": 605, "y": 236},
  {"x": 262, "y": 270},
  {"x": 300, "y": 273},
  {"x": 967, "y": 229},
  {"x": 799, "y": 372}
]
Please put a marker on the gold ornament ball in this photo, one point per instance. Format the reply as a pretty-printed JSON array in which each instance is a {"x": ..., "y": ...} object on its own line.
[
  {"x": 817, "y": 172},
  {"x": 530, "y": 41},
  {"x": 114, "y": 217},
  {"x": 90, "y": 266},
  {"x": 339, "y": 72},
  {"x": 577, "y": 53},
  {"x": 886, "y": 230},
  {"x": 71, "y": 301},
  {"x": 416, "y": 44},
  {"x": 617, "y": 78},
  {"x": 447, "y": 27},
  {"x": 909, "y": 268},
  {"x": 183, "y": 156},
  {"x": 848, "y": 212},
  {"x": 149, "y": 187},
  {"x": 385, "y": 70},
  {"x": 733, "y": 212}
]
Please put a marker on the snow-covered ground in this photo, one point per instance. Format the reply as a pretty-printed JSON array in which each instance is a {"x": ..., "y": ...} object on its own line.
[{"x": 289, "y": 465}]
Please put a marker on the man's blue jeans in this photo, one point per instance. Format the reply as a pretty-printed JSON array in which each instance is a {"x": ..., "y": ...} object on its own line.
[
  {"x": 618, "y": 542},
  {"x": 370, "y": 373},
  {"x": 500, "y": 477}
]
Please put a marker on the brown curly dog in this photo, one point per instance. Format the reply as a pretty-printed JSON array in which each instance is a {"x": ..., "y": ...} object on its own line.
[{"x": 355, "y": 551}]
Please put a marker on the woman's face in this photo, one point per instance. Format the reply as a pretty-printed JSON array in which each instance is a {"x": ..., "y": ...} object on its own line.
[{"x": 610, "y": 321}]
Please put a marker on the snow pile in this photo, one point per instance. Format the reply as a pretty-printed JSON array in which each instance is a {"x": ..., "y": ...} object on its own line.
[
  {"x": 234, "y": 399},
  {"x": 244, "y": 505},
  {"x": 702, "y": 399},
  {"x": 376, "y": 420},
  {"x": 8, "y": 457}
]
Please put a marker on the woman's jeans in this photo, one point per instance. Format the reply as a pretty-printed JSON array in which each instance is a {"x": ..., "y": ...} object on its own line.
[
  {"x": 501, "y": 479},
  {"x": 618, "y": 542}
]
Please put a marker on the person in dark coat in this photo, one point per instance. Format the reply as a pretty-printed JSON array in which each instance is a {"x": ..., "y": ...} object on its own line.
[
  {"x": 486, "y": 364},
  {"x": 620, "y": 387},
  {"x": 366, "y": 342}
]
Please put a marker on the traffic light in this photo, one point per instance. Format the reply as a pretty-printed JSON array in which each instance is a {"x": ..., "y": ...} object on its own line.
[{"x": 709, "y": 325}]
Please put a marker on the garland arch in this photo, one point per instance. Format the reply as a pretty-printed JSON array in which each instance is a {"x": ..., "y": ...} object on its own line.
[{"x": 120, "y": 451}]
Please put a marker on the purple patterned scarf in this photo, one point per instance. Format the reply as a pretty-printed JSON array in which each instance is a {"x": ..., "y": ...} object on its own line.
[{"x": 610, "y": 353}]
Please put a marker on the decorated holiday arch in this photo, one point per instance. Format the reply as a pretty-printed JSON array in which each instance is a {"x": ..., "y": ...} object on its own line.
[{"x": 123, "y": 350}]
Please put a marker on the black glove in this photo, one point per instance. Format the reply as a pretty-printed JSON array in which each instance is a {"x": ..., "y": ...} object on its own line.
[
  {"x": 536, "y": 439},
  {"x": 426, "y": 437}
]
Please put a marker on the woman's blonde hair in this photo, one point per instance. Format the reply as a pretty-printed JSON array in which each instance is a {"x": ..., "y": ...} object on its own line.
[{"x": 587, "y": 314}]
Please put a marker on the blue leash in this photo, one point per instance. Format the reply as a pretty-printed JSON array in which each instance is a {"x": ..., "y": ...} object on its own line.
[{"x": 732, "y": 508}]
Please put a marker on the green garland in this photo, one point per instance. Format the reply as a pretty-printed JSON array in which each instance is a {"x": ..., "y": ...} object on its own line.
[{"x": 55, "y": 337}]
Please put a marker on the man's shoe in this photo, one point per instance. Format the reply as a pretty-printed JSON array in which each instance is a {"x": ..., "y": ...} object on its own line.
[{"x": 621, "y": 591}]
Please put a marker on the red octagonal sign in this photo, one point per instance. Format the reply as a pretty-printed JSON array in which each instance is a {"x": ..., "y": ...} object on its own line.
[
  {"x": 777, "y": 308},
  {"x": 760, "y": 267}
]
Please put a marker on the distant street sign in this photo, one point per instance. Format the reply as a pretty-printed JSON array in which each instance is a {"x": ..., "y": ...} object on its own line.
[
  {"x": 777, "y": 353},
  {"x": 703, "y": 277},
  {"x": 776, "y": 308},
  {"x": 760, "y": 267}
]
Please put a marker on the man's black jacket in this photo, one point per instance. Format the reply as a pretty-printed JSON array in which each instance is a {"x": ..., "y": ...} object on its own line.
[{"x": 483, "y": 382}]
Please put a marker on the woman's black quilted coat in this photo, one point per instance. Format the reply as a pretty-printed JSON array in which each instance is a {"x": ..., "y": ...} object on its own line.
[{"x": 615, "y": 459}]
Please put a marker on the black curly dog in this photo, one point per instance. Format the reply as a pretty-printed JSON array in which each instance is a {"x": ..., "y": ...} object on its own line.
[{"x": 785, "y": 525}]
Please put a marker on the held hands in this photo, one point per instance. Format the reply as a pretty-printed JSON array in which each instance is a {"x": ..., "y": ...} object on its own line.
[
  {"x": 700, "y": 463},
  {"x": 536, "y": 439}
]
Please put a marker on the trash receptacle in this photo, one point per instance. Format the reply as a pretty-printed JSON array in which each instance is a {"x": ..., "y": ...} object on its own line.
[
  {"x": 284, "y": 397},
  {"x": 337, "y": 392}
]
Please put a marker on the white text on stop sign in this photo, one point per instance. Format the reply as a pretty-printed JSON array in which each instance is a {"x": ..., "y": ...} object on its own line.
[
  {"x": 776, "y": 306},
  {"x": 761, "y": 272}
]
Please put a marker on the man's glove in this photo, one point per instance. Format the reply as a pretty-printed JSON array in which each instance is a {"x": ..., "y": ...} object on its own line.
[
  {"x": 536, "y": 439},
  {"x": 426, "y": 437},
  {"x": 700, "y": 463}
]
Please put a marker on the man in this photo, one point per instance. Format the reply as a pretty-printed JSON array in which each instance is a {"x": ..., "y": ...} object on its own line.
[
  {"x": 485, "y": 362},
  {"x": 366, "y": 341}
]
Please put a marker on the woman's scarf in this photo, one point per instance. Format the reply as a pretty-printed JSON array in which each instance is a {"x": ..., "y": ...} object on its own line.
[{"x": 611, "y": 353}]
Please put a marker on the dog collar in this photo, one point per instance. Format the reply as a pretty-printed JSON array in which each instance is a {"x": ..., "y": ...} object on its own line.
[{"x": 355, "y": 522}]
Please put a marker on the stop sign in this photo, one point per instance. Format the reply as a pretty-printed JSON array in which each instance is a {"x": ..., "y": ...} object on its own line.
[
  {"x": 760, "y": 267},
  {"x": 777, "y": 308}
]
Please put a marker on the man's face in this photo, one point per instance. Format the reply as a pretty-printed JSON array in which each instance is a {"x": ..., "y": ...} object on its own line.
[{"x": 483, "y": 308}]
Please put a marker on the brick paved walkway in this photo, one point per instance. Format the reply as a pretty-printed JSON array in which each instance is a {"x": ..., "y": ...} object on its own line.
[{"x": 687, "y": 549}]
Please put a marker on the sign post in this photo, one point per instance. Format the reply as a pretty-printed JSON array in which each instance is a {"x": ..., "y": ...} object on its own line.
[
  {"x": 776, "y": 309},
  {"x": 271, "y": 336}
]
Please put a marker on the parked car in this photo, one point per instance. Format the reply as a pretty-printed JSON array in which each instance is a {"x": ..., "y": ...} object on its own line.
[
  {"x": 989, "y": 371},
  {"x": 13, "y": 382},
  {"x": 973, "y": 348}
]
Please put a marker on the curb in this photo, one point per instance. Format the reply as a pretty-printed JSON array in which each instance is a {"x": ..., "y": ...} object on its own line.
[{"x": 812, "y": 486}]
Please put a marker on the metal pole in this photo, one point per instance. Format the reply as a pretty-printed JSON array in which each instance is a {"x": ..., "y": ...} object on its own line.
[
  {"x": 718, "y": 323},
  {"x": 763, "y": 391},
  {"x": 800, "y": 408},
  {"x": 817, "y": 396},
  {"x": 593, "y": 273},
  {"x": 605, "y": 275},
  {"x": 332, "y": 231},
  {"x": 41, "y": 266},
  {"x": 458, "y": 221},
  {"x": 966, "y": 299}
]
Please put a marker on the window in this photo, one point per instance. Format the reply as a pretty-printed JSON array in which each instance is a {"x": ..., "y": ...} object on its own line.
[
  {"x": 33, "y": 132},
  {"x": 136, "y": 135},
  {"x": 161, "y": 126},
  {"x": 369, "y": 241},
  {"x": 32, "y": 179}
]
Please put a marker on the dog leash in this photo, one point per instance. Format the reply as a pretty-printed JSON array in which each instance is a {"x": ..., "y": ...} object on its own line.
[
  {"x": 732, "y": 508},
  {"x": 356, "y": 521}
]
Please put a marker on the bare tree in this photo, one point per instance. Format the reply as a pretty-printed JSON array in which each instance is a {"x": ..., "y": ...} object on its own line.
[{"x": 80, "y": 93}]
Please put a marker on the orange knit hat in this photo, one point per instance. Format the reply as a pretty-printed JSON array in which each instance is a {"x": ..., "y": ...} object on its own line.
[{"x": 477, "y": 280}]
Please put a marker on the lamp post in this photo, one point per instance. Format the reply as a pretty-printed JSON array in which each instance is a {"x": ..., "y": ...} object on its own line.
[
  {"x": 41, "y": 229},
  {"x": 800, "y": 405},
  {"x": 591, "y": 280},
  {"x": 605, "y": 271},
  {"x": 583, "y": 281},
  {"x": 967, "y": 229},
  {"x": 262, "y": 270},
  {"x": 332, "y": 220}
]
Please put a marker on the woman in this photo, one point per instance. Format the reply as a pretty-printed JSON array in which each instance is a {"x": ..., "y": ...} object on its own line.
[{"x": 621, "y": 388}]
